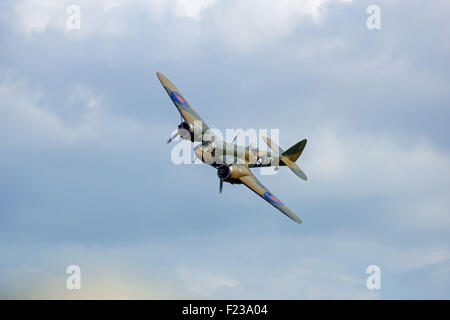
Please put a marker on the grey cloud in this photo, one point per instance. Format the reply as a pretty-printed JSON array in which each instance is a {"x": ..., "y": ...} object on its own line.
[{"x": 83, "y": 121}]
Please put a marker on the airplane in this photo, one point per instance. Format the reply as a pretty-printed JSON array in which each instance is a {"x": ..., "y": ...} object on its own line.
[{"x": 217, "y": 153}]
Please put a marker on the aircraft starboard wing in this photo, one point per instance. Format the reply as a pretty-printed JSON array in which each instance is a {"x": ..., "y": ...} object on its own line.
[{"x": 253, "y": 184}]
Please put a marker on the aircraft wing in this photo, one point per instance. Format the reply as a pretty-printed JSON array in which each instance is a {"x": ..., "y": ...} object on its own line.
[
  {"x": 253, "y": 184},
  {"x": 186, "y": 110},
  {"x": 284, "y": 159}
]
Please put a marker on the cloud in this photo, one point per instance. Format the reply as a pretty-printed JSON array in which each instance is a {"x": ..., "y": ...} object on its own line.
[
  {"x": 83, "y": 121},
  {"x": 204, "y": 283},
  {"x": 305, "y": 279},
  {"x": 378, "y": 158},
  {"x": 192, "y": 9},
  {"x": 80, "y": 117},
  {"x": 34, "y": 16},
  {"x": 103, "y": 276},
  {"x": 418, "y": 258},
  {"x": 410, "y": 179},
  {"x": 242, "y": 24},
  {"x": 36, "y": 120},
  {"x": 98, "y": 16}
]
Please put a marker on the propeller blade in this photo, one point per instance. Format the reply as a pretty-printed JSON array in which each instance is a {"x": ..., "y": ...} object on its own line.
[
  {"x": 235, "y": 138},
  {"x": 172, "y": 137},
  {"x": 220, "y": 185}
]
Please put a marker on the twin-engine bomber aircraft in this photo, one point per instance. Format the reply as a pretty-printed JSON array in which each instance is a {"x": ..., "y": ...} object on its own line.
[{"x": 217, "y": 153}]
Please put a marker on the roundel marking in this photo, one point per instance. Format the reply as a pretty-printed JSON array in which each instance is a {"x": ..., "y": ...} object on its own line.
[
  {"x": 176, "y": 97},
  {"x": 271, "y": 198}
]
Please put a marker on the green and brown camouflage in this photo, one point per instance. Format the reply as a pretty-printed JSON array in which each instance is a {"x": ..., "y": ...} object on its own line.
[
  {"x": 233, "y": 162},
  {"x": 186, "y": 110}
]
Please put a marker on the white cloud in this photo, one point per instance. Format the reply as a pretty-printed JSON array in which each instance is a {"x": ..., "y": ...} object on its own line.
[
  {"x": 417, "y": 258},
  {"x": 80, "y": 118},
  {"x": 305, "y": 275},
  {"x": 34, "y": 16},
  {"x": 204, "y": 283},
  {"x": 20, "y": 109},
  {"x": 83, "y": 103},
  {"x": 103, "y": 276},
  {"x": 410, "y": 178},
  {"x": 378, "y": 161},
  {"x": 242, "y": 24},
  {"x": 97, "y": 17},
  {"x": 191, "y": 8},
  {"x": 247, "y": 24}
]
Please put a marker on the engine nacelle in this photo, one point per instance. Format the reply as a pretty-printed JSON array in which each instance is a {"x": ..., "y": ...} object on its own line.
[
  {"x": 233, "y": 173},
  {"x": 205, "y": 153},
  {"x": 187, "y": 131}
]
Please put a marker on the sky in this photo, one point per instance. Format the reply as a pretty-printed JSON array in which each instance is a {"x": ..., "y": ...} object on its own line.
[{"x": 86, "y": 177}]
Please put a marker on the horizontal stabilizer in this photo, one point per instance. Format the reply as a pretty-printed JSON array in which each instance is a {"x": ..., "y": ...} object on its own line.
[
  {"x": 289, "y": 156},
  {"x": 294, "y": 168},
  {"x": 294, "y": 152}
]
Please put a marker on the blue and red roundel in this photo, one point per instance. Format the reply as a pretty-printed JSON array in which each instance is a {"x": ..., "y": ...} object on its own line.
[
  {"x": 271, "y": 198},
  {"x": 176, "y": 97}
]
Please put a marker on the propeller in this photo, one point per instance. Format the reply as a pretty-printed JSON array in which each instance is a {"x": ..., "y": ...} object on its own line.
[
  {"x": 172, "y": 137},
  {"x": 176, "y": 133},
  {"x": 222, "y": 172},
  {"x": 235, "y": 138}
]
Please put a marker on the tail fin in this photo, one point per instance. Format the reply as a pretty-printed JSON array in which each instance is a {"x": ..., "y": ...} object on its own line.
[
  {"x": 294, "y": 152},
  {"x": 289, "y": 156}
]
